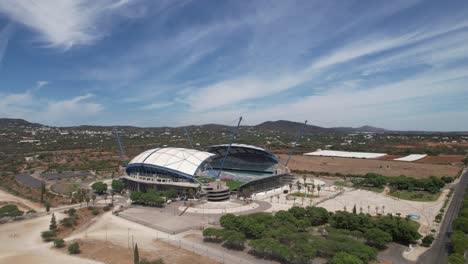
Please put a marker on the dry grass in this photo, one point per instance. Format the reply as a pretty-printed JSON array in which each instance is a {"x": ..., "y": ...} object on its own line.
[
  {"x": 110, "y": 253},
  {"x": 363, "y": 166}
]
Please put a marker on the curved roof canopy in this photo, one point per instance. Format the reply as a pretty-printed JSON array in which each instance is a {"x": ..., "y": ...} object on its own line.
[
  {"x": 241, "y": 148},
  {"x": 180, "y": 160}
]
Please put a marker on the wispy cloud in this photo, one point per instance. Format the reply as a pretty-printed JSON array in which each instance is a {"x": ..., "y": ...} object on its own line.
[
  {"x": 158, "y": 105},
  {"x": 61, "y": 23},
  {"x": 40, "y": 84},
  {"x": 30, "y": 106},
  {"x": 5, "y": 34}
]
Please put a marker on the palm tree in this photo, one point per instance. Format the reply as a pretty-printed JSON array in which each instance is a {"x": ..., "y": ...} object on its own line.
[
  {"x": 345, "y": 208},
  {"x": 368, "y": 209},
  {"x": 277, "y": 198},
  {"x": 318, "y": 189},
  {"x": 290, "y": 186},
  {"x": 376, "y": 209},
  {"x": 360, "y": 209},
  {"x": 304, "y": 178},
  {"x": 298, "y": 183},
  {"x": 313, "y": 188},
  {"x": 383, "y": 209}
]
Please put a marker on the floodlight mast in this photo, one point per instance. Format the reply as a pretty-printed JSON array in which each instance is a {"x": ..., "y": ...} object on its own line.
[
  {"x": 234, "y": 134},
  {"x": 122, "y": 153},
  {"x": 299, "y": 135}
]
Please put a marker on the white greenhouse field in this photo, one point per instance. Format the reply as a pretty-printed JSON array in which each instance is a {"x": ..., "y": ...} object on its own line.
[{"x": 345, "y": 154}]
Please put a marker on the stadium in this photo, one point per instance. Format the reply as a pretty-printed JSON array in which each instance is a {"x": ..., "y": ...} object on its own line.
[{"x": 179, "y": 169}]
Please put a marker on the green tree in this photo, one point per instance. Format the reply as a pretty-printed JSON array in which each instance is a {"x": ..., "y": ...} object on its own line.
[
  {"x": 10, "y": 210},
  {"x": 99, "y": 187},
  {"x": 43, "y": 191},
  {"x": 48, "y": 235},
  {"x": 47, "y": 206},
  {"x": 427, "y": 240},
  {"x": 117, "y": 186},
  {"x": 59, "y": 243},
  {"x": 345, "y": 258},
  {"x": 53, "y": 223},
  {"x": 459, "y": 242},
  {"x": 234, "y": 240},
  {"x": 461, "y": 224},
  {"x": 136, "y": 255},
  {"x": 378, "y": 238},
  {"x": 456, "y": 258},
  {"x": 74, "y": 248},
  {"x": 354, "y": 209}
]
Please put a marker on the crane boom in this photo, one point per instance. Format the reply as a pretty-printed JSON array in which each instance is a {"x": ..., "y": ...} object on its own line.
[
  {"x": 122, "y": 153},
  {"x": 234, "y": 134}
]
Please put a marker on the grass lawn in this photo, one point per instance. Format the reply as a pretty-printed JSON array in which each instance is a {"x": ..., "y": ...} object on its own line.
[
  {"x": 297, "y": 194},
  {"x": 233, "y": 184},
  {"x": 340, "y": 183},
  {"x": 420, "y": 196}
]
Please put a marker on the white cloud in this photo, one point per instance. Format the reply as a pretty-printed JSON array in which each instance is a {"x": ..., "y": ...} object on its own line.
[
  {"x": 5, "y": 34},
  {"x": 40, "y": 84},
  {"x": 158, "y": 105},
  {"x": 60, "y": 23},
  {"x": 29, "y": 106},
  {"x": 75, "y": 109}
]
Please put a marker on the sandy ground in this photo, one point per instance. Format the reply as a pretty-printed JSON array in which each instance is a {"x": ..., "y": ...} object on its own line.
[
  {"x": 219, "y": 208},
  {"x": 363, "y": 166},
  {"x": 367, "y": 200},
  {"x": 7, "y": 197},
  {"x": 22, "y": 244},
  {"x": 124, "y": 233}
]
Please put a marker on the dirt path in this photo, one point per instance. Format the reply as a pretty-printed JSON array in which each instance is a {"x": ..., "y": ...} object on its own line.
[
  {"x": 22, "y": 244},
  {"x": 7, "y": 197}
]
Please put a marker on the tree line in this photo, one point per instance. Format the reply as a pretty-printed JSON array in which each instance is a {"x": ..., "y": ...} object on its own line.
[{"x": 301, "y": 234}]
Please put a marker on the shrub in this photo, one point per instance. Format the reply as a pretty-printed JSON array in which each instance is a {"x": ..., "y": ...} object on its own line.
[
  {"x": 427, "y": 240},
  {"x": 456, "y": 259},
  {"x": 59, "y": 243},
  {"x": 345, "y": 258},
  {"x": 74, "y": 248},
  {"x": 70, "y": 211},
  {"x": 68, "y": 222},
  {"x": 157, "y": 261},
  {"x": 48, "y": 236},
  {"x": 95, "y": 211}
]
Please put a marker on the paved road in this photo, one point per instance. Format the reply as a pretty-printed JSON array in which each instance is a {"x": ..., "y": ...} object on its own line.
[{"x": 438, "y": 253}]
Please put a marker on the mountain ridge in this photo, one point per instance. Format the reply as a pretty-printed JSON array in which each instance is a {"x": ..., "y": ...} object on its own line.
[{"x": 279, "y": 125}]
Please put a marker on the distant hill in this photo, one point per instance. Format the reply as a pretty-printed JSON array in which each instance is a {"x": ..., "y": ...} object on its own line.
[
  {"x": 280, "y": 126},
  {"x": 292, "y": 127},
  {"x": 11, "y": 122}
]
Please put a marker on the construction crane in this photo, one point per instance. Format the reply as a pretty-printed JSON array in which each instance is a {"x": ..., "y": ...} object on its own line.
[
  {"x": 122, "y": 153},
  {"x": 299, "y": 136},
  {"x": 234, "y": 135}
]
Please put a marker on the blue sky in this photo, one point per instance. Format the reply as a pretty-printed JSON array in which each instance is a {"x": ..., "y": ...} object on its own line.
[{"x": 399, "y": 64}]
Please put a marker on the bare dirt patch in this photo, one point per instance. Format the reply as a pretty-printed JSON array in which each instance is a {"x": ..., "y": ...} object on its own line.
[
  {"x": 442, "y": 159},
  {"x": 33, "y": 194},
  {"x": 110, "y": 253},
  {"x": 389, "y": 157},
  {"x": 363, "y": 166},
  {"x": 85, "y": 218}
]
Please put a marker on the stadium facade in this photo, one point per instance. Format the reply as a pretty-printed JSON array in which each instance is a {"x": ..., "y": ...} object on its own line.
[{"x": 181, "y": 168}]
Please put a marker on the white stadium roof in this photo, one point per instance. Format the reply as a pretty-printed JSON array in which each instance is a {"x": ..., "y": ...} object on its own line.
[
  {"x": 183, "y": 160},
  {"x": 240, "y": 145},
  {"x": 345, "y": 154}
]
